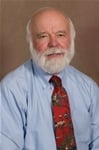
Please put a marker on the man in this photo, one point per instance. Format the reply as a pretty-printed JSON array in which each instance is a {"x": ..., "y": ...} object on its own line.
[{"x": 26, "y": 106}]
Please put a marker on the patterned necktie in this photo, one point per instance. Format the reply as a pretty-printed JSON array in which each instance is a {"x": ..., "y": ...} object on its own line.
[{"x": 63, "y": 126}]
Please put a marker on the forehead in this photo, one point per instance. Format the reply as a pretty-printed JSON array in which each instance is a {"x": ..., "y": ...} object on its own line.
[{"x": 49, "y": 18}]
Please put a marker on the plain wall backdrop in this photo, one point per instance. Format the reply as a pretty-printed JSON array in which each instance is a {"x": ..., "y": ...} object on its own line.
[{"x": 14, "y": 15}]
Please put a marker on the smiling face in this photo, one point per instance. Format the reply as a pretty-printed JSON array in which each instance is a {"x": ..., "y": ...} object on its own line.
[{"x": 50, "y": 40}]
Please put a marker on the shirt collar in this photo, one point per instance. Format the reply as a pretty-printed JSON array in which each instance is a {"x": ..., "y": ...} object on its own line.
[{"x": 43, "y": 76}]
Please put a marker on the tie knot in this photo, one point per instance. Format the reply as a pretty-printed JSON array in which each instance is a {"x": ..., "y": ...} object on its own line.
[{"x": 55, "y": 80}]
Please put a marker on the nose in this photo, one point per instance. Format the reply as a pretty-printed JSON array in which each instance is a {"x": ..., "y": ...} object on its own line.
[{"x": 52, "y": 41}]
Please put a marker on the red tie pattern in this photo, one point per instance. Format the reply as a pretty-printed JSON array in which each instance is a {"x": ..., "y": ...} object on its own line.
[{"x": 63, "y": 126}]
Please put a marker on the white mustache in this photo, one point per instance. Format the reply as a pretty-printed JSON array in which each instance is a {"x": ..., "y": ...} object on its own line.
[{"x": 54, "y": 51}]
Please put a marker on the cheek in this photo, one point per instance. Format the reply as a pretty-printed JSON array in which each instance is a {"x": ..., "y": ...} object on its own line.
[
  {"x": 66, "y": 43},
  {"x": 40, "y": 46}
]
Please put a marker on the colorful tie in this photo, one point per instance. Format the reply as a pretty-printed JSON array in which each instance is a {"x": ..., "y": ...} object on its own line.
[{"x": 63, "y": 126}]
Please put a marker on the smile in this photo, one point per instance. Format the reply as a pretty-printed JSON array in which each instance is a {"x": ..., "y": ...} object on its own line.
[{"x": 55, "y": 55}]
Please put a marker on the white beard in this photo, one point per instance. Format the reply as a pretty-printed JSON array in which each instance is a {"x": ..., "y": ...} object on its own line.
[{"x": 54, "y": 65}]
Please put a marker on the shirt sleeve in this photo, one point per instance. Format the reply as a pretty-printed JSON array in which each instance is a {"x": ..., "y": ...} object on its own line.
[
  {"x": 12, "y": 117},
  {"x": 94, "y": 145}
]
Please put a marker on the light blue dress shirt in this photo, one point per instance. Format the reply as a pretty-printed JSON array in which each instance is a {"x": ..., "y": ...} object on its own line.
[{"x": 26, "y": 117}]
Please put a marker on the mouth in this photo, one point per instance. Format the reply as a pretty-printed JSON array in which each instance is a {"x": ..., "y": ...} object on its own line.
[{"x": 55, "y": 55}]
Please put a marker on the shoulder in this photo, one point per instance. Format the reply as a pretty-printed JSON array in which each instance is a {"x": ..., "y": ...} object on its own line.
[
  {"x": 76, "y": 74},
  {"x": 80, "y": 79},
  {"x": 18, "y": 77}
]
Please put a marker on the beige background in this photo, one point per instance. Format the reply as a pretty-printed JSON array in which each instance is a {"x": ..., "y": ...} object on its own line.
[{"x": 14, "y": 15}]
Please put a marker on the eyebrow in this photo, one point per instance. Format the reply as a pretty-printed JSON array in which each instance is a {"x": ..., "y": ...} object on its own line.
[
  {"x": 40, "y": 33},
  {"x": 61, "y": 31}
]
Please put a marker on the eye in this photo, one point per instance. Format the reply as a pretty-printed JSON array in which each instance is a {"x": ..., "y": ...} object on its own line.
[
  {"x": 61, "y": 34},
  {"x": 42, "y": 35}
]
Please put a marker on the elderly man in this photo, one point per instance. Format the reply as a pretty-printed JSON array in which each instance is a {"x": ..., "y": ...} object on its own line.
[{"x": 46, "y": 104}]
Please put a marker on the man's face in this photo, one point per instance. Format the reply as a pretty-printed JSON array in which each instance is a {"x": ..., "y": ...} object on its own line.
[{"x": 51, "y": 41}]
